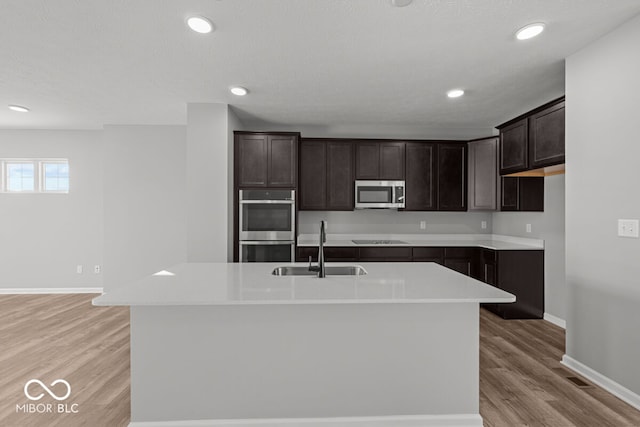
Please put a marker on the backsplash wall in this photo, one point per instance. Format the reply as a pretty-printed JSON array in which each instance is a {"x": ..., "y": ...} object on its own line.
[{"x": 390, "y": 221}]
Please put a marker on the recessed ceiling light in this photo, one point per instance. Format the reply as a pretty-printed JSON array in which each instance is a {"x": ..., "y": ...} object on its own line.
[
  {"x": 200, "y": 24},
  {"x": 18, "y": 108},
  {"x": 530, "y": 31},
  {"x": 164, "y": 273},
  {"x": 239, "y": 90},
  {"x": 400, "y": 3},
  {"x": 455, "y": 93}
]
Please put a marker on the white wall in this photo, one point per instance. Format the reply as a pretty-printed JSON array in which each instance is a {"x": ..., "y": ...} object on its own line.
[
  {"x": 382, "y": 221},
  {"x": 549, "y": 226},
  {"x": 210, "y": 182},
  {"x": 144, "y": 201},
  {"x": 44, "y": 236},
  {"x": 603, "y": 149}
]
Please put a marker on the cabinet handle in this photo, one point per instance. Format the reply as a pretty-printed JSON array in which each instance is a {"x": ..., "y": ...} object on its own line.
[{"x": 485, "y": 274}]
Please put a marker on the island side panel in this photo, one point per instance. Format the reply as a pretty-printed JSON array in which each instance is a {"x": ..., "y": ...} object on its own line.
[{"x": 303, "y": 361}]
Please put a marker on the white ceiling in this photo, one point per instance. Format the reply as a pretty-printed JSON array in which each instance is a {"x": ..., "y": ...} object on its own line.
[{"x": 81, "y": 64}]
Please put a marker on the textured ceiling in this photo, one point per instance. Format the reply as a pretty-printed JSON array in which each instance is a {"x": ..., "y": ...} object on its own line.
[{"x": 308, "y": 63}]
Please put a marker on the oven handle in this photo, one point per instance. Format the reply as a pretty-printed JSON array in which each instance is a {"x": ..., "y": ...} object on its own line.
[
  {"x": 266, "y": 242},
  {"x": 267, "y": 202}
]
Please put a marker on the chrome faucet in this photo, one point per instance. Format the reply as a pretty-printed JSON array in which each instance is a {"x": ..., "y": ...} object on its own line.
[{"x": 323, "y": 239}]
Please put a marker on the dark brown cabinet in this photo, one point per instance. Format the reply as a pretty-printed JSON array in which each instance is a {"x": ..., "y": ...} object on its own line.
[
  {"x": 326, "y": 175},
  {"x": 514, "y": 150},
  {"x": 452, "y": 177},
  {"x": 483, "y": 174},
  {"x": 546, "y": 137},
  {"x": 522, "y": 194},
  {"x": 520, "y": 273},
  {"x": 266, "y": 159},
  {"x": 421, "y": 176},
  {"x": 533, "y": 140},
  {"x": 380, "y": 160}
]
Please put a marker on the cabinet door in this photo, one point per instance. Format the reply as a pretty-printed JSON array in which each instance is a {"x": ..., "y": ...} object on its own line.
[
  {"x": 483, "y": 174},
  {"x": 313, "y": 178},
  {"x": 367, "y": 160},
  {"x": 514, "y": 148},
  {"x": 546, "y": 137},
  {"x": 340, "y": 183},
  {"x": 509, "y": 194},
  {"x": 420, "y": 179},
  {"x": 460, "y": 265},
  {"x": 282, "y": 160},
  {"x": 392, "y": 160},
  {"x": 452, "y": 177},
  {"x": 251, "y": 162}
]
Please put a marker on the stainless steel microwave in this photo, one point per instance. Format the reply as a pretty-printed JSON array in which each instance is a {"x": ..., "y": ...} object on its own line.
[{"x": 379, "y": 194}]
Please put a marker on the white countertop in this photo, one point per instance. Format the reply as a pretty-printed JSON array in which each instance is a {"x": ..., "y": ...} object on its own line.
[
  {"x": 253, "y": 283},
  {"x": 488, "y": 241}
]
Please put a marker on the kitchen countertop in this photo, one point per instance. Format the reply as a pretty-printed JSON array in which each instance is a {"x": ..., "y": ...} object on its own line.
[
  {"x": 252, "y": 284},
  {"x": 488, "y": 241}
]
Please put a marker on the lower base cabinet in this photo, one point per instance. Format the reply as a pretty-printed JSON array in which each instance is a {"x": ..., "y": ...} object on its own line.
[{"x": 520, "y": 272}]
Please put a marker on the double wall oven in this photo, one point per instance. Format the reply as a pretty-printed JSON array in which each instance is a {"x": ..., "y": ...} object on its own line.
[{"x": 266, "y": 221}]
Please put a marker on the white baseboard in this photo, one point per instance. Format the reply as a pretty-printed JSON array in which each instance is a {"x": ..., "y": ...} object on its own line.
[
  {"x": 464, "y": 420},
  {"x": 606, "y": 383},
  {"x": 50, "y": 290},
  {"x": 555, "y": 320}
]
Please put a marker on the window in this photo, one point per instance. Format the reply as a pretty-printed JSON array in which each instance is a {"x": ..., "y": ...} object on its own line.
[
  {"x": 55, "y": 176},
  {"x": 34, "y": 175},
  {"x": 20, "y": 176}
]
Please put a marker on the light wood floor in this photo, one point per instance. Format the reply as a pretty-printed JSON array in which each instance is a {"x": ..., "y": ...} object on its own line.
[{"x": 64, "y": 336}]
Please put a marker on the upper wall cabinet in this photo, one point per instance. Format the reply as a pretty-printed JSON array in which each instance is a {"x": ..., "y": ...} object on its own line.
[
  {"x": 266, "y": 159},
  {"x": 483, "y": 174},
  {"x": 546, "y": 137},
  {"x": 436, "y": 176},
  {"x": 533, "y": 140},
  {"x": 452, "y": 177},
  {"x": 380, "y": 160},
  {"x": 326, "y": 175},
  {"x": 421, "y": 176}
]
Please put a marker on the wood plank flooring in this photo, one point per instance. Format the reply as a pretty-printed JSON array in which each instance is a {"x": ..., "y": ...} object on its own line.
[
  {"x": 48, "y": 337},
  {"x": 64, "y": 336}
]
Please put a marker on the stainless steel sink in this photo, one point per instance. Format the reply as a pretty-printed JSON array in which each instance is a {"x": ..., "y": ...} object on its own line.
[{"x": 333, "y": 270}]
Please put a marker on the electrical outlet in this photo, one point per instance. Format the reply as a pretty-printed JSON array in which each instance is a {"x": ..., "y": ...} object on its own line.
[
  {"x": 97, "y": 269},
  {"x": 628, "y": 228},
  {"x": 528, "y": 228},
  {"x": 423, "y": 225},
  {"x": 79, "y": 269},
  {"x": 483, "y": 224}
]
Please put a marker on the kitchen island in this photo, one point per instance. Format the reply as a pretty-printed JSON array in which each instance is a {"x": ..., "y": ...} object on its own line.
[{"x": 233, "y": 345}]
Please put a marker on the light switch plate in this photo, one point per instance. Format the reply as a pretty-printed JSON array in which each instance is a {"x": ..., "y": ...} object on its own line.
[
  {"x": 483, "y": 224},
  {"x": 528, "y": 228},
  {"x": 423, "y": 225},
  {"x": 628, "y": 228}
]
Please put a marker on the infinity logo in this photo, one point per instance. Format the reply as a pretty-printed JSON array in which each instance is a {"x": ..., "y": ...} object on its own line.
[{"x": 52, "y": 394}]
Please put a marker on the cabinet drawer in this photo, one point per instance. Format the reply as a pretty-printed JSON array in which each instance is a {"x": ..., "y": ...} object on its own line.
[
  {"x": 428, "y": 254},
  {"x": 459, "y": 252},
  {"x": 385, "y": 254},
  {"x": 331, "y": 254}
]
